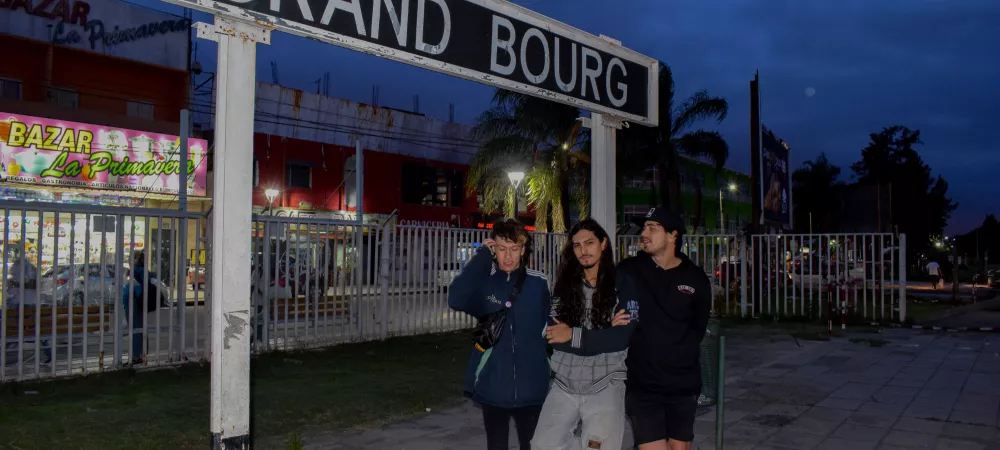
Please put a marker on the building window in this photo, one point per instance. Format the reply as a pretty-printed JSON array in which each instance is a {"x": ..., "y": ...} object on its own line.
[
  {"x": 63, "y": 97},
  {"x": 427, "y": 185},
  {"x": 10, "y": 89},
  {"x": 299, "y": 176},
  {"x": 139, "y": 109}
]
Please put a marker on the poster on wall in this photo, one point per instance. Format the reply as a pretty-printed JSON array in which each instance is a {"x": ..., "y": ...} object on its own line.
[
  {"x": 37, "y": 150},
  {"x": 110, "y": 27},
  {"x": 777, "y": 204}
]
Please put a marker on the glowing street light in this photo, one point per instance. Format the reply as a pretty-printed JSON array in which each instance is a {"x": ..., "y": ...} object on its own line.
[
  {"x": 271, "y": 194},
  {"x": 732, "y": 188}
]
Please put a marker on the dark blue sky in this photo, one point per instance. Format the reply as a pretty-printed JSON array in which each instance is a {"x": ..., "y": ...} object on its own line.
[{"x": 932, "y": 65}]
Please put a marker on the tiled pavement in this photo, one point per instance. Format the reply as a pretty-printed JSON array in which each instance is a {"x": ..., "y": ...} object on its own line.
[{"x": 926, "y": 390}]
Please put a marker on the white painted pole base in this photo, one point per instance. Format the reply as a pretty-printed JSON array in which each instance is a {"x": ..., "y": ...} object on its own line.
[
  {"x": 236, "y": 86},
  {"x": 603, "y": 170}
]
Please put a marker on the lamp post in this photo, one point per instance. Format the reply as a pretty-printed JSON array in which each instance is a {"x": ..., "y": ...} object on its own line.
[
  {"x": 271, "y": 194},
  {"x": 732, "y": 188},
  {"x": 515, "y": 179}
]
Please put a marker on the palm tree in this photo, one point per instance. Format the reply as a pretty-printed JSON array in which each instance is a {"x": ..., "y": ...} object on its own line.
[
  {"x": 661, "y": 146},
  {"x": 537, "y": 136}
]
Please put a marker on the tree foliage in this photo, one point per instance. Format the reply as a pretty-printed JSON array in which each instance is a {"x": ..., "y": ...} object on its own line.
[
  {"x": 644, "y": 147},
  {"x": 816, "y": 188},
  {"x": 920, "y": 206},
  {"x": 533, "y": 135}
]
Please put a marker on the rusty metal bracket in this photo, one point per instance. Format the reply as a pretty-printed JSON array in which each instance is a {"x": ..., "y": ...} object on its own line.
[{"x": 211, "y": 31}]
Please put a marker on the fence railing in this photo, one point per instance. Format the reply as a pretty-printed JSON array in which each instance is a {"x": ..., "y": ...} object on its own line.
[
  {"x": 821, "y": 274},
  {"x": 64, "y": 302},
  {"x": 67, "y": 308}
]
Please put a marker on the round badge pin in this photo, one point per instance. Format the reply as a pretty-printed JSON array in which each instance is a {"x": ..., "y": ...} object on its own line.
[{"x": 508, "y": 304}]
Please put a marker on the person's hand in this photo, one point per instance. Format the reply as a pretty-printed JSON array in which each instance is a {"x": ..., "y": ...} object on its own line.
[
  {"x": 559, "y": 333},
  {"x": 621, "y": 319},
  {"x": 489, "y": 243}
]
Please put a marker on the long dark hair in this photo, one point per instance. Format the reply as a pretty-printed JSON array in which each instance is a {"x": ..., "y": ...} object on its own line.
[{"x": 569, "y": 287}]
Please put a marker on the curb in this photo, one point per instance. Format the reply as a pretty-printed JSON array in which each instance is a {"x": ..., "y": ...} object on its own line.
[{"x": 948, "y": 329}]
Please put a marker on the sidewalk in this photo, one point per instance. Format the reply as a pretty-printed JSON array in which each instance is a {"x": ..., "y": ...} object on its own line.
[{"x": 899, "y": 389}]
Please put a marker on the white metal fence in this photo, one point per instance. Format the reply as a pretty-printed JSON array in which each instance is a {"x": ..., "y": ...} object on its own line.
[
  {"x": 66, "y": 309},
  {"x": 64, "y": 306},
  {"x": 823, "y": 275}
]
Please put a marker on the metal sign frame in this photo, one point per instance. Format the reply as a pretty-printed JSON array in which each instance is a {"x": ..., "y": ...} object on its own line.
[
  {"x": 238, "y": 31},
  {"x": 427, "y": 61}
]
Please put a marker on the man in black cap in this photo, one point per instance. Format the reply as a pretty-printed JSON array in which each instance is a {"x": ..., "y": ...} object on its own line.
[{"x": 670, "y": 297}]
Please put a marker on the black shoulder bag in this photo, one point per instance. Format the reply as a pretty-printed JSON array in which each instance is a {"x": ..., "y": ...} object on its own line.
[{"x": 490, "y": 326}]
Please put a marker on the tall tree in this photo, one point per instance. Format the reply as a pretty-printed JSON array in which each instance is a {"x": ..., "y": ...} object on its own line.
[
  {"x": 661, "y": 146},
  {"x": 815, "y": 186},
  {"x": 982, "y": 242},
  {"x": 919, "y": 203},
  {"x": 537, "y": 136}
]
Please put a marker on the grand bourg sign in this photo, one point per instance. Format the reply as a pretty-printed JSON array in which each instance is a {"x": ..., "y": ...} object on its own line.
[{"x": 488, "y": 41}]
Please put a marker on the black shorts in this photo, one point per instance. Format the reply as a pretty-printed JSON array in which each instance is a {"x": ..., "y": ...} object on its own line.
[{"x": 658, "y": 417}]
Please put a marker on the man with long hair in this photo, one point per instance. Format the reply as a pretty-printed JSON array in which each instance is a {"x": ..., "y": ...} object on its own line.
[
  {"x": 510, "y": 379},
  {"x": 674, "y": 296},
  {"x": 588, "y": 358}
]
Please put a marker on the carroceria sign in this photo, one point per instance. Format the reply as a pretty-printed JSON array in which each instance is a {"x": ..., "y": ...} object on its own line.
[{"x": 489, "y": 41}]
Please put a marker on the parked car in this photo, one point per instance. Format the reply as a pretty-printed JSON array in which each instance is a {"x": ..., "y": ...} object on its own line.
[
  {"x": 85, "y": 283},
  {"x": 447, "y": 274}
]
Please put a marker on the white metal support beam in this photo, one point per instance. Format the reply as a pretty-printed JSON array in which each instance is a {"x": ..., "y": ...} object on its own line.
[
  {"x": 230, "y": 423},
  {"x": 603, "y": 170}
]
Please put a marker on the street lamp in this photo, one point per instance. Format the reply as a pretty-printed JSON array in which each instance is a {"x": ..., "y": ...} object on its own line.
[
  {"x": 732, "y": 188},
  {"x": 515, "y": 179},
  {"x": 271, "y": 194}
]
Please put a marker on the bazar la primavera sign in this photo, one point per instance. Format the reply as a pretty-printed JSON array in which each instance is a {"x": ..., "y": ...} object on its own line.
[{"x": 46, "y": 151}]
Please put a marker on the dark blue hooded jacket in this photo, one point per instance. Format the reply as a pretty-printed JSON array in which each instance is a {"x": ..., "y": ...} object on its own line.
[{"x": 515, "y": 372}]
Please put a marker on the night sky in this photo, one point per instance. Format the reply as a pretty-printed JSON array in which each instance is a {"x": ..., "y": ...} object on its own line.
[{"x": 831, "y": 73}]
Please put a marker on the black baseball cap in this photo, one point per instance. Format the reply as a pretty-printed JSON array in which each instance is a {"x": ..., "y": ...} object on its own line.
[{"x": 668, "y": 219}]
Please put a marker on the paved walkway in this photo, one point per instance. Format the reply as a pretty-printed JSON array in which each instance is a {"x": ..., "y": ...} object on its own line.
[{"x": 921, "y": 390}]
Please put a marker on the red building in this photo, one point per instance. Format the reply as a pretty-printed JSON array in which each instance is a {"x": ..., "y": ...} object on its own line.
[
  {"x": 94, "y": 62},
  {"x": 413, "y": 164},
  {"x": 316, "y": 178}
]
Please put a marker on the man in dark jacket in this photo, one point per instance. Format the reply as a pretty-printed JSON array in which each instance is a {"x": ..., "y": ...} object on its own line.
[
  {"x": 511, "y": 379},
  {"x": 670, "y": 297}
]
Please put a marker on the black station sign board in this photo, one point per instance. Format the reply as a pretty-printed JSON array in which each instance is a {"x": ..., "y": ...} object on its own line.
[{"x": 488, "y": 41}]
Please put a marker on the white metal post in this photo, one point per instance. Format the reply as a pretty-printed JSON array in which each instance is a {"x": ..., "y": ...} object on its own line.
[
  {"x": 902, "y": 277},
  {"x": 744, "y": 277},
  {"x": 230, "y": 399},
  {"x": 602, "y": 168}
]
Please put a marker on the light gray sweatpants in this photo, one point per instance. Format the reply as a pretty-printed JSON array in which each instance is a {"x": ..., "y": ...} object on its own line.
[{"x": 602, "y": 414}]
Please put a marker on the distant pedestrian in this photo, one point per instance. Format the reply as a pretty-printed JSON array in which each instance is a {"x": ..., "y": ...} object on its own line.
[
  {"x": 937, "y": 277},
  {"x": 139, "y": 296},
  {"x": 508, "y": 373}
]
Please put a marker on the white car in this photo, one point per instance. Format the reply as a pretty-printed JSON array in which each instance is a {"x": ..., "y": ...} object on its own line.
[{"x": 447, "y": 274}]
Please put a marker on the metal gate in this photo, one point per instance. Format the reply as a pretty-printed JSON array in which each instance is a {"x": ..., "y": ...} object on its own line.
[
  {"x": 64, "y": 304},
  {"x": 817, "y": 275}
]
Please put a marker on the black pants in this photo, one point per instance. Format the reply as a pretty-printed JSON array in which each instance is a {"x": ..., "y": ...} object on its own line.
[{"x": 497, "y": 423}]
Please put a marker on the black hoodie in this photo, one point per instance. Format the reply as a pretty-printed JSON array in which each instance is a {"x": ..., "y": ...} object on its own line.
[{"x": 672, "y": 308}]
